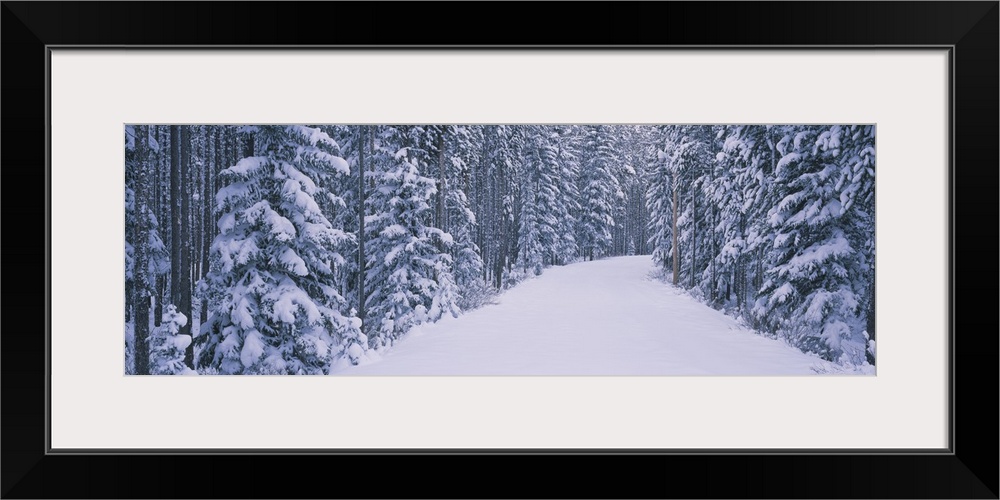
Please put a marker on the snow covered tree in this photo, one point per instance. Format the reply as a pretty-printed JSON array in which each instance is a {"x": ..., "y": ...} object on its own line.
[
  {"x": 467, "y": 262},
  {"x": 169, "y": 345},
  {"x": 183, "y": 301},
  {"x": 409, "y": 275},
  {"x": 660, "y": 203},
  {"x": 340, "y": 202},
  {"x": 176, "y": 217},
  {"x": 692, "y": 166},
  {"x": 676, "y": 184},
  {"x": 145, "y": 254},
  {"x": 565, "y": 248},
  {"x": 856, "y": 187},
  {"x": 599, "y": 191},
  {"x": 776, "y": 222},
  {"x": 500, "y": 164},
  {"x": 276, "y": 306},
  {"x": 809, "y": 294},
  {"x": 637, "y": 142},
  {"x": 140, "y": 277},
  {"x": 302, "y": 265},
  {"x": 541, "y": 210}
]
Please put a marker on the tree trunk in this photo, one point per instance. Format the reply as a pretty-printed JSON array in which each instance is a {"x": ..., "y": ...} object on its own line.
[
  {"x": 441, "y": 184},
  {"x": 870, "y": 323},
  {"x": 714, "y": 254},
  {"x": 231, "y": 153},
  {"x": 362, "y": 264},
  {"x": 162, "y": 219},
  {"x": 194, "y": 215},
  {"x": 694, "y": 234},
  {"x": 161, "y": 289},
  {"x": 184, "y": 307},
  {"x": 759, "y": 275},
  {"x": 208, "y": 234},
  {"x": 673, "y": 234},
  {"x": 140, "y": 274},
  {"x": 175, "y": 216},
  {"x": 248, "y": 145},
  {"x": 502, "y": 215},
  {"x": 739, "y": 280},
  {"x": 480, "y": 206}
]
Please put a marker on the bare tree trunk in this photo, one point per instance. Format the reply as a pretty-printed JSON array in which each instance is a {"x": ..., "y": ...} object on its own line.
[
  {"x": 694, "y": 233},
  {"x": 162, "y": 219},
  {"x": 184, "y": 307},
  {"x": 481, "y": 209},
  {"x": 207, "y": 233},
  {"x": 140, "y": 274},
  {"x": 715, "y": 252},
  {"x": 161, "y": 290},
  {"x": 231, "y": 147},
  {"x": 362, "y": 264},
  {"x": 175, "y": 216},
  {"x": 759, "y": 275},
  {"x": 673, "y": 234},
  {"x": 195, "y": 214},
  {"x": 502, "y": 216},
  {"x": 870, "y": 326},
  {"x": 248, "y": 145},
  {"x": 442, "y": 182}
]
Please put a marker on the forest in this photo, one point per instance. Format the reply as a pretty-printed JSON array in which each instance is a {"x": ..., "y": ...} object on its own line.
[{"x": 302, "y": 249}]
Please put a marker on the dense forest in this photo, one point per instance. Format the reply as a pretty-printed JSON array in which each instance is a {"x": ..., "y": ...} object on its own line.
[{"x": 296, "y": 249}]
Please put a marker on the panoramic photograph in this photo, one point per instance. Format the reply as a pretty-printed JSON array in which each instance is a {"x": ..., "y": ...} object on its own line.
[{"x": 499, "y": 250}]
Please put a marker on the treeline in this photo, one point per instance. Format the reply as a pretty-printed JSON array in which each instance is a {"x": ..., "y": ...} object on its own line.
[
  {"x": 775, "y": 224},
  {"x": 294, "y": 249},
  {"x": 300, "y": 249}
]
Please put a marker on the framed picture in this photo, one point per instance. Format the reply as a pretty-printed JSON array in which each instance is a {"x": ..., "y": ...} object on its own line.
[{"x": 93, "y": 90}]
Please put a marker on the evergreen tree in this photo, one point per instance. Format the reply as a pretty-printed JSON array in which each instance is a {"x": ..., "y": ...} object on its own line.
[
  {"x": 169, "y": 345},
  {"x": 599, "y": 192},
  {"x": 301, "y": 267},
  {"x": 540, "y": 202},
  {"x": 276, "y": 306},
  {"x": 144, "y": 249},
  {"x": 659, "y": 202},
  {"x": 565, "y": 248},
  {"x": 809, "y": 294},
  {"x": 410, "y": 277},
  {"x": 467, "y": 259}
]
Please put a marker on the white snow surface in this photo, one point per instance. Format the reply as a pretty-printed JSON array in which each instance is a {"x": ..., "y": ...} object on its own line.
[{"x": 605, "y": 317}]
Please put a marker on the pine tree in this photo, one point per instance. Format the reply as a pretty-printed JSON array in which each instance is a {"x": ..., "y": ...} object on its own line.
[
  {"x": 809, "y": 294},
  {"x": 636, "y": 142},
  {"x": 276, "y": 306},
  {"x": 565, "y": 249},
  {"x": 184, "y": 286},
  {"x": 692, "y": 164},
  {"x": 145, "y": 254},
  {"x": 599, "y": 192},
  {"x": 298, "y": 259},
  {"x": 856, "y": 185},
  {"x": 461, "y": 220},
  {"x": 140, "y": 277},
  {"x": 169, "y": 345},
  {"x": 410, "y": 277},
  {"x": 176, "y": 238},
  {"x": 540, "y": 201},
  {"x": 659, "y": 202}
]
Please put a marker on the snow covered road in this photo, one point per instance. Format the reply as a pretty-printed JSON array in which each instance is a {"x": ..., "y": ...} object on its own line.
[{"x": 606, "y": 317}]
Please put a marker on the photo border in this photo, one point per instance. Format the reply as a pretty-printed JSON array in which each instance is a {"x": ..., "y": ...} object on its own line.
[{"x": 965, "y": 470}]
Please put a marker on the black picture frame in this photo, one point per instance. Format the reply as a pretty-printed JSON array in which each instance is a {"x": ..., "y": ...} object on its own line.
[{"x": 969, "y": 469}]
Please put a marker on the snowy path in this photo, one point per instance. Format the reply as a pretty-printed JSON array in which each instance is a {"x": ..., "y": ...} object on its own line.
[{"x": 605, "y": 317}]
